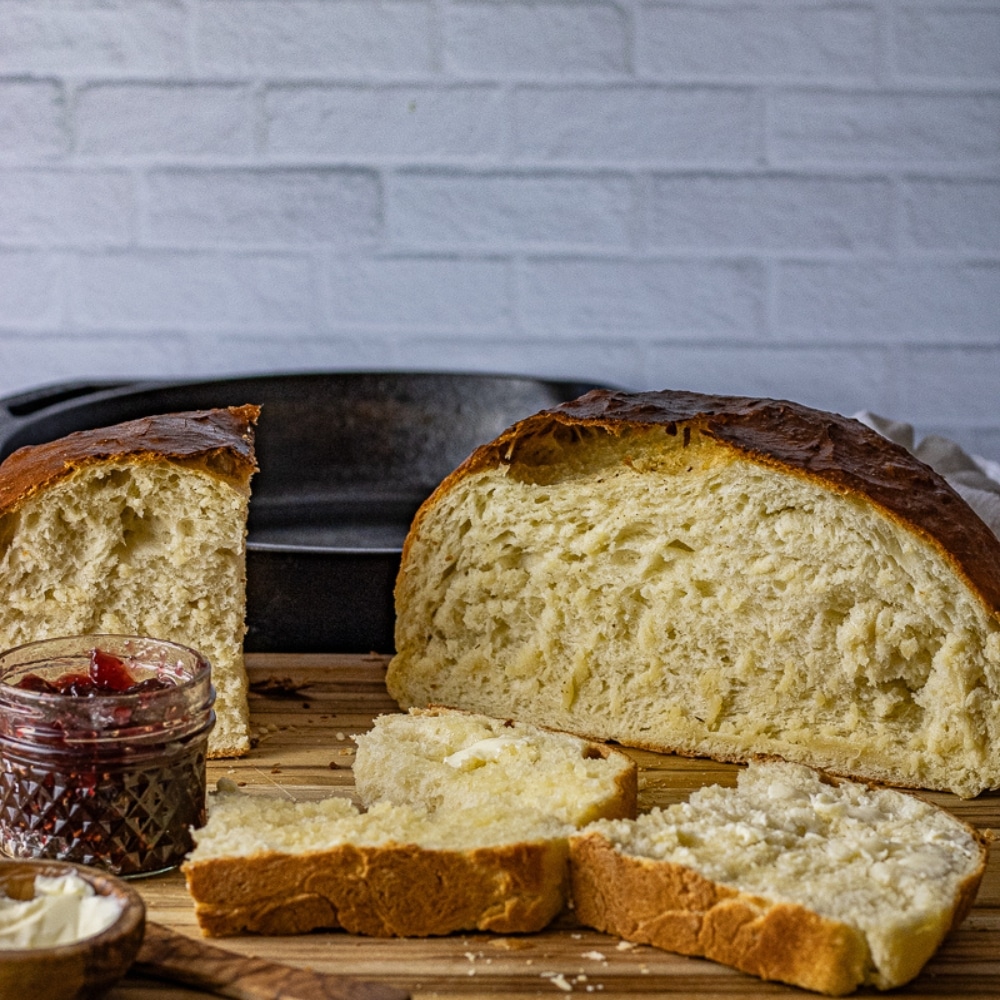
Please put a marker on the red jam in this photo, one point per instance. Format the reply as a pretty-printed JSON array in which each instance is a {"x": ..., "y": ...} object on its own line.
[
  {"x": 107, "y": 675},
  {"x": 103, "y": 743}
]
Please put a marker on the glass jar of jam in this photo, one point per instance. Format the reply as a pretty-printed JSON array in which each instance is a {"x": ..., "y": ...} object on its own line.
[{"x": 103, "y": 742}]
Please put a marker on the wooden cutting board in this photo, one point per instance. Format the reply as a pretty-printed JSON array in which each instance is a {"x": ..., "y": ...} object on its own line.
[{"x": 305, "y": 710}]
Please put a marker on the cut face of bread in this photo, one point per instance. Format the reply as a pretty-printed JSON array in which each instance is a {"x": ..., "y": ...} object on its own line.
[
  {"x": 715, "y": 576},
  {"x": 444, "y": 760},
  {"x": 467, "y": 829},
  {"x": 789, "y": 877},
  {"x": 136, "y": 529}
]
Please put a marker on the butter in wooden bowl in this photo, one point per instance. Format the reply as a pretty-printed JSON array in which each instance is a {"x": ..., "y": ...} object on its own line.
[{"x": 66, "y": 931}]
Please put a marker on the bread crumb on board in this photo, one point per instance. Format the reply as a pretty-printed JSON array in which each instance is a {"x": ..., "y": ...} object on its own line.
[{"x": 558, "y": 980}]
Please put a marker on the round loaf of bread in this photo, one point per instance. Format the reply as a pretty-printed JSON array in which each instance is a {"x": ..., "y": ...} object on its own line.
[
  {"x": 136, "y": 529},
  {"x": 716, "y": 576}
]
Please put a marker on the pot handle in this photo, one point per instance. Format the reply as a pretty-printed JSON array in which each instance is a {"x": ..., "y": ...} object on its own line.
[{"x": 17, "y": 410}]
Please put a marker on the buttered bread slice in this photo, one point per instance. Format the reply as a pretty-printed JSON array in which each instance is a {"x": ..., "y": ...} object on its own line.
[
  {"x": 446, "y": 760},
  {"x": 824, "y": 884}
]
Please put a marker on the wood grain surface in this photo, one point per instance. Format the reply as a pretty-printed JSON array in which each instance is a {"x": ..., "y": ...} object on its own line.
[{"x": 305, "y": 710}]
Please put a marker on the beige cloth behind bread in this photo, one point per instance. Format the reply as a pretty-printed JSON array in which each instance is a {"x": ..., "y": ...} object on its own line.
[{"x": 975, "y": 479}]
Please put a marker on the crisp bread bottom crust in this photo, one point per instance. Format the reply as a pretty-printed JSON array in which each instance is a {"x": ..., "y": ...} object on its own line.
[
  {"x": 674, "y": 908},
  {"x": 393, "y": 890}
]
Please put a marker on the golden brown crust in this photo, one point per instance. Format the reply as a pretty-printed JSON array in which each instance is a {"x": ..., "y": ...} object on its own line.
[
  {"x": 393, "y": 890},
  {"x": 674, "y": 908},
  {"x": 220, "y": 442},
  {"x": 837, "y": 452},
  {"x": 227, "y": 751}
]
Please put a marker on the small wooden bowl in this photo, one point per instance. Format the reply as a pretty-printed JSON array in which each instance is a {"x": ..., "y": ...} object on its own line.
[{"x": 85, "y": 968}]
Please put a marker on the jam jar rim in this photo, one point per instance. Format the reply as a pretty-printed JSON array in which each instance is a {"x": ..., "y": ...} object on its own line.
[
  {"x": 85, "y": 637},
  {"x": 183, "y": 717}
]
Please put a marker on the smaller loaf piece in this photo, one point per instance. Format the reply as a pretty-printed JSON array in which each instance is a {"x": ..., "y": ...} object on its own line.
[
  {"x": 828, "y": 885},
  {"x": 485, "y": 855},
  {"x": 445, "y": 760},
  {"x": 717, "y": 576},
  {"x": 139, "y": 528}
]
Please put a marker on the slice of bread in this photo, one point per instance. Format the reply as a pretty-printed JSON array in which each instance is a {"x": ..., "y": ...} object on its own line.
[
  {"x": 715, "y": 576},
  {"x": 478, "y": 848},
  {"x": 139, "y": 528},
  {"x": 790, "y": 876},
  {"x": 273, "y": 866},
  {"x": 440, "y": 759}
]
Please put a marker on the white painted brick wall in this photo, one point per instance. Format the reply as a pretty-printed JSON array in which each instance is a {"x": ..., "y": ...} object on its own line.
[
  {"x": 141, "y": 119},
  {"x": 795, "y": 197}
]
